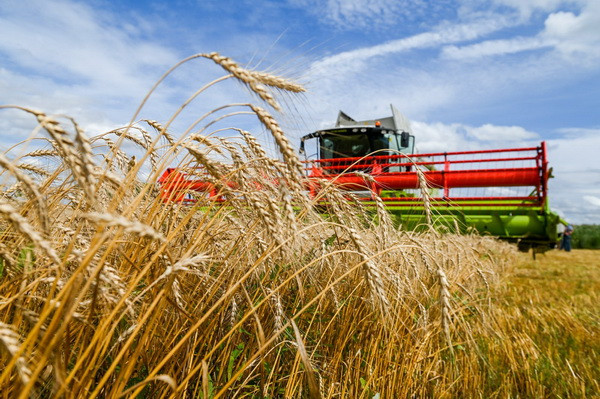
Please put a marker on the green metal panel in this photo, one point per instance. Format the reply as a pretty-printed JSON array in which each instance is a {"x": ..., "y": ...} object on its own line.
[{"x": 526, "y": 225}]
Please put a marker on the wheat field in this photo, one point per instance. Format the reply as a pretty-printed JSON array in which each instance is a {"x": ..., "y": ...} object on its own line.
[{"x": 107, "y": 290}]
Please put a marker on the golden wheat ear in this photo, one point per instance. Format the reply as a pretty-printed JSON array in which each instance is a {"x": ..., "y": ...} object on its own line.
[{"x": 244, "y": 76}]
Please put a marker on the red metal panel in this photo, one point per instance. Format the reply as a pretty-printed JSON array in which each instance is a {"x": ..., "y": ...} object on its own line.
[
  {"x": 441, "y": 179},
  {"x": 348, "y": 174}
]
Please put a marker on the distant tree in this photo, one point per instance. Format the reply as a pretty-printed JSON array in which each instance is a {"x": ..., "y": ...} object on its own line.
[{"x": 586, "y": 236}]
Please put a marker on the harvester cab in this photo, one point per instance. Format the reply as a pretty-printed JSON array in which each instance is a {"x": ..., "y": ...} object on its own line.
[{"x": 351, "y": 140}]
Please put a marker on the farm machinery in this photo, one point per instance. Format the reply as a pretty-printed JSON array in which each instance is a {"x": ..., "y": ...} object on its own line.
[{"x": 500, "y": 192}]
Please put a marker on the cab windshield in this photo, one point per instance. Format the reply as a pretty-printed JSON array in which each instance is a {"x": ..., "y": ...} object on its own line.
[{"x": 337, "y": 145}]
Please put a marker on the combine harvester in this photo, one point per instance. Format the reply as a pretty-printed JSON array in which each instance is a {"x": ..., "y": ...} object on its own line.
[{"x": 501, "y": 192}]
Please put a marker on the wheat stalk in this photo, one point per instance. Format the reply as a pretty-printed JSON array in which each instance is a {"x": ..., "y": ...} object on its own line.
[
  {"x": 425, "y": 195},
  {"x": 10, "y": 340},
  {"x": 129, "y": 226},
  {"x": 372, "y": 274},
  {"x": 445, "y": 305},
  {"x": 79, "y": 161},
  {"x": 22, "y": 225},
  {"x": 31, "y": 188}
]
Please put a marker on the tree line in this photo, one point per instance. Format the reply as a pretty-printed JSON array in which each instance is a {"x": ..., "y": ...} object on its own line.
[{"x": 586, "y": 236}]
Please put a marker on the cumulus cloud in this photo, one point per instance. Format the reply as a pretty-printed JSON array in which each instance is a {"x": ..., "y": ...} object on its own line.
[
  {"x": 577, "y": 152},
  {"x": 576, "y": 184},
  {"x": 65, "y": 57},
  {"x": 510, "y": 134},
  {"x": 574, "y": 36},
  {"x": 592, "y": 200},
  {"x": 438, "y": 137}
]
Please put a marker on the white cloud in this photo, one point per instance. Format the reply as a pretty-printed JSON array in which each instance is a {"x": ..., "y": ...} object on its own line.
[
  {"x": 579, "y": 132},
  {"x": 75, "y": 42},
  {"x": 577, "y": 151},
  {"x": 494, "y": 47},
  {"x": 370, "y": 14},
  {"x": 353, "y": 60},
  {"x": 510, "y": 134},
  {"x": 439, "y": 137},
  {"x": 527, "y": 7},
  {"x": 436, "y": 137},
  {"x": 573, "y": 158},
  {"x": 68, "y": 57},
  {"x": 360, "y": 12},
  {"x": 369, "y": 78},
  {"x": 574, "y": 36},
  {"x": 592, "y": 200}
]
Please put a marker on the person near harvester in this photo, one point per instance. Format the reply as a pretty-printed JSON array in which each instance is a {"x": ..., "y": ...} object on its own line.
[{"x": 566, "y": 239}]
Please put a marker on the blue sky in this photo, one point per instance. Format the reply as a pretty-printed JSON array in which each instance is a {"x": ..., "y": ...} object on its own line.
[{"x": 469, "y": 74}]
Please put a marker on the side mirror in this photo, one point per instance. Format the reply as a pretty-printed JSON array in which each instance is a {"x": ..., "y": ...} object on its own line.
[
  {"x": 301, "y": 147},
  {"x": 404, "y": 139}
]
